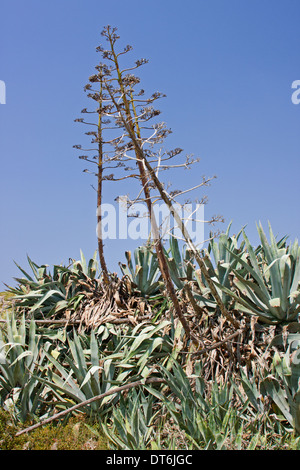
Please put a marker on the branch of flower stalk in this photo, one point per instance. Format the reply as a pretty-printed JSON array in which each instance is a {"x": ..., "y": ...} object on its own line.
[{"x": 112, "y": 391}]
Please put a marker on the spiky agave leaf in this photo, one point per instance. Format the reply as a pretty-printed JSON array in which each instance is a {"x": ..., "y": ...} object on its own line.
[
  {"x": 268, "y": 289},
  {"x": 180, "y": 263},
  {"x": 219, "y": 262},
  {"x": 282, "y": 385},
  {"x": 145, "y": 273},
  {"x": 131, "y": 425}
]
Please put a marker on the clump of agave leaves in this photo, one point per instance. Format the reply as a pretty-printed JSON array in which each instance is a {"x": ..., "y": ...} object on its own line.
[
  {"x": 266, "y": 281},
  {"x": 38, "y": 375},
  {"x": 259, "y": 285},
  {"x": 21, "y": 359},
  {"x": 44, "y": 295},
  {"x": 262, "y": 282},
  {"x": 221, "y": 257},
  {"x": 145, "y": 274},
  {"x": 76, "y": 294}
]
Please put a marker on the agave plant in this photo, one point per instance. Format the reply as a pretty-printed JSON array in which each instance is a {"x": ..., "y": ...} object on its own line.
[
  {"x": 283, "y": 385},
  {"x": 131, "y": 425},
  {"x": 43, "y": 294},
  {"x": 268, "y": 283},
  {"x": 145, "y": 275},
  {"x": 85, "y": 371},
  {"x": 137, "y": 351},
  {"x": 220, "y": 262},
  {"x": 78, "y": 378},
  {"x": 208, "y": 420},
  {"x": 22, "y": 360}
]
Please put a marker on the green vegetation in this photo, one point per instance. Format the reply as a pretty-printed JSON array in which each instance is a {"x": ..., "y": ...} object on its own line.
[
  {"x": 239, "y": 390},
  {"x": 77, "y": 434}
]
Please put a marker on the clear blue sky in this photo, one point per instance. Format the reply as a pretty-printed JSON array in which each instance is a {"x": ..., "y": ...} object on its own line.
[{"x": 226, "y": 67}]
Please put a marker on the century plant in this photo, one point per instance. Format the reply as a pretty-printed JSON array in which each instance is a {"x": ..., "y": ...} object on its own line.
[
  {"x": 22, "y": 363},
  {"x": 219, "y": 262},
  {"x": 180, "y": 263},
  {"x": 208, "y": 418},
  {"x": 85, "y": 370},
  {"x": 42, "y": 293},
  {"x": 75, "y": 380},
  {"x": 144, "y": 272},
  {"x": 119, "y": 101},
  {"x": 131, "y": 425},
  {"x": 267, "y": 285},
  {"x": 282, "y": 385}
]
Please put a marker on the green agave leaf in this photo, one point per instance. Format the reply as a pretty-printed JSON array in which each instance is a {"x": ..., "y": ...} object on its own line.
[
  {"x": 145, "y": 275},
  {"x": 35, "y": 268},
  {"x": 83, "y": 262},
  {"x": 21, "y": 356},
  {"x": 90, "y": 374},
  {"x": 64, "y": 373},
  {"x": 274, "y": 253},
  {"x": 245, "y": 306},
  {"x": 24, "y": 272},
  {"x": 254, "y": 272},
  {"x": 148, "y": 353},
  {"x": 286, "y": 276},
  {"x": 270, "y": 386},
  {"x": 49, "y": 294},
  {"x": 251, "y": 391},
  {"x": 68, "y": 388},
  {"x": 94, "y": 349},
  {"x": 252, "y": 290}
]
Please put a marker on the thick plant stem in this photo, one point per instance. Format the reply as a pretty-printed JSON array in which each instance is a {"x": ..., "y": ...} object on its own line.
[{"x": 99, "y": 194}]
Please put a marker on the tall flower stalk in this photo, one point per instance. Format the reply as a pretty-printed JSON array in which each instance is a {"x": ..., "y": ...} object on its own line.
[{"x": 99, "y": 189}]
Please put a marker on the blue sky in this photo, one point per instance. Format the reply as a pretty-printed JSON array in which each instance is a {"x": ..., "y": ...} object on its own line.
[{"x": 226, "y": 66}]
